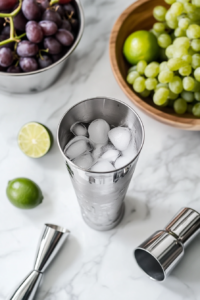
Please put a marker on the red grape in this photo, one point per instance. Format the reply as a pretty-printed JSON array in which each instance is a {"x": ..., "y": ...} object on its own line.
[
  {"x": 66, "y": 25},
  {"x": 20, "y": 22},
  {"x": 59, "y": 9},
  {"x": 53, "y": 16},
  {"x": 27, "y": 49},
  {"x": 53, "y": 45},
  {"x": 44, "y": 4},
  {"x": 69, "y": 9},
  {"x": 64, "y": 37},
  {"x": 14, "y": 69},
  {"x": 28, "y": 64},
  {"x": 44, "y": 62},
  {"x": 48, "y": 27},
  {"x": 57, "y": 57},
  {"x": 7, "y": 4},
  {"x": 34, "y": 32},
  {"x": 31, "y": 10},
  {"x": 6, "y": 57}
]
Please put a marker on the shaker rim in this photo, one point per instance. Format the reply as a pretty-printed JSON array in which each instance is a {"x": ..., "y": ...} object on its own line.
[{"x": 115, "y": 100}]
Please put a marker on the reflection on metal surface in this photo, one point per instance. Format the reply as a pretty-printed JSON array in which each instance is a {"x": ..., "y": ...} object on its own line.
[{"x": 160, "y": 253}]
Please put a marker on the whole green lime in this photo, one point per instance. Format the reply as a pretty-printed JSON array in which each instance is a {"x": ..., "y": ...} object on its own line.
[
  {"x": 141, "y": 45},
  {"x": 24, "y": 193}
]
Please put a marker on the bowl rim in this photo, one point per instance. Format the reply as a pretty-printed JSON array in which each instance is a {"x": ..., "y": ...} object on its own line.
[
  {"x": 78, "y": 38},
  {"x": 169, "y": 119}
]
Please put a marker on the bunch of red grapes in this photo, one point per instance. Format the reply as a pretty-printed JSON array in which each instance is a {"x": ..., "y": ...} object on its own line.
[{"x": 46, "y": 30}]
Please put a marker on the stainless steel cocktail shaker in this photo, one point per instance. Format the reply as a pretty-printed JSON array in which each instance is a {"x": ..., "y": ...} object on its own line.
[
  {"x": 101, "y": 194},
  {"x": 52, "y": 240}
]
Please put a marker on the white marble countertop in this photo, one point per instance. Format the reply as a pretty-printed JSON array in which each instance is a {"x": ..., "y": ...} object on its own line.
[{"x": 95, "y": 265}]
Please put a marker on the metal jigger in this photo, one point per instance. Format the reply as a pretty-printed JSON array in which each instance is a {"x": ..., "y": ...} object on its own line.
[
  {"x": 52, "y": 240},
  {"x": 161, "y": 252}
]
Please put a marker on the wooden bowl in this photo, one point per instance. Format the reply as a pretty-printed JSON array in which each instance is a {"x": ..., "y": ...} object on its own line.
[{"x": 139, "y": 16}]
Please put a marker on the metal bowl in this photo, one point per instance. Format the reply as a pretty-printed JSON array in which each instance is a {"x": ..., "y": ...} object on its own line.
[{"x": 32, "y": 82}]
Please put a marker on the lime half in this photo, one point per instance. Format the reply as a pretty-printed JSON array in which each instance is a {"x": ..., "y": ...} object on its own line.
[
  {"x": 35, "y": 139},
  {"x": 24, "y": 193}
]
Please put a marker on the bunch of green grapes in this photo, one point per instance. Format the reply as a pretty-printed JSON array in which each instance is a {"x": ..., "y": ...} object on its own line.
[{"x": 175, "y": 81}]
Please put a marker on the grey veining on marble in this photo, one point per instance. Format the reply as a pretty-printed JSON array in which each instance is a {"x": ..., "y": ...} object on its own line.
[{"x": 95, "y": 265}]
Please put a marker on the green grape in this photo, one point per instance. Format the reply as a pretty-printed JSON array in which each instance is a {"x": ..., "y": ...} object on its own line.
[
  {"x": 180, "y": 52},
  {"x": 170, "y": 51},
  {"x": 179, "y": 32},
  {"x": 177, "y": 9},
  {"x": 188, "y": 83},
  {"x": 196, "y": 110},
  {"x": 139, "y": 84},
  {"x": 152, "y": 70},
  {"x": 193, "y": 31},
  {"x": 151, "y": 83},
  {"x": 196, "y": 3},
  {"x": 172, "y": 96},
  {"x": 196, "y": 86},
  {"x": 182, "y": 41},
  {"x": 163, "y": 66},
  {"x": 174, "y": 64},
  {"x": 170, "y": 1},
  {"x": 157, "y": 34},
  {"x": 195, "y": 45},
  {"x": 189, "y": 8},
  {"x": 132, "y": 76},
  {"x": 189, "y": 108},
  {"x": 195, "y": 61},
  {"x": 160, "y": 85},
  {"x": 197, "y": 74},
  {"x": 160, "y": 96},
  {"x": 145, "y": 93},
  {"x": 183, "y": 23},
  {"x": 176, "y": 85},
  {"x": 165, "y": 104},
  {"x": 187, "y": 58},
  {"x": 197, "y": 96},
  {"x": 133, "y": 68},
  {"x": 173, "y": 24},
  {"x": 159, "y": 27},
  {"x": 187, "y": 96},
  {"x": 165, "y": 76},
  {"x": 164, "y": 40},
  {"x": 172, "y": 36},
  {"x": 159, "y": 13},
  {"x": 180, "y": 106},
  {"x": 141, "y": 66},
  {"x": 185, "y": 70}
]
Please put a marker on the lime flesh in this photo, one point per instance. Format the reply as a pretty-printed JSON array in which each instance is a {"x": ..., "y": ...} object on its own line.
[
  {"x": 34, "y": 139},
  {"x": 24, "y": 193},
  {"x": 141, "y": 45}
]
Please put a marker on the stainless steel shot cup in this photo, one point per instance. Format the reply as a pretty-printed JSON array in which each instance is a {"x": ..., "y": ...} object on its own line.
[
  {"x": 101, "y": 194},
  {"x": 161, "y": 252}
]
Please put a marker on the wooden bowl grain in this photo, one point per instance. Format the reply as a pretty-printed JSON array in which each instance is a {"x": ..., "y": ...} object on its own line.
[{"x": 139, "y": 16}]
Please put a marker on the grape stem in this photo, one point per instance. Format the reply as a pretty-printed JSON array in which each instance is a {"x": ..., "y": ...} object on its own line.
[
  {"x": 52, "y": 2},
  {"x": 42, "y": 50},
  {"x": 13, "y": 37},
  {"x": 14, "y": 13}
]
